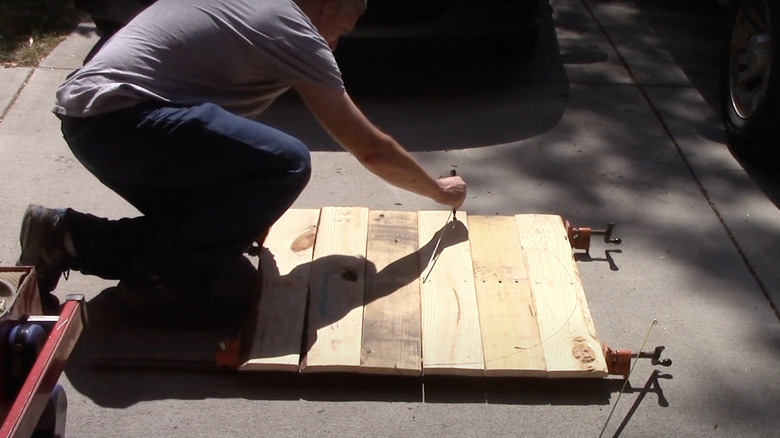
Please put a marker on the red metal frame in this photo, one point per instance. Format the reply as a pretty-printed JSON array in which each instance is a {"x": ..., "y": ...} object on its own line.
[{"x": 26, "y": 410}]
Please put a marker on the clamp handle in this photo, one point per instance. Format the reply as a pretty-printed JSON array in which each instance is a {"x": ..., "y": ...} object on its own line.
[
  {"x": 607, "y": 233},
  {"x": 655, "y": 357}
]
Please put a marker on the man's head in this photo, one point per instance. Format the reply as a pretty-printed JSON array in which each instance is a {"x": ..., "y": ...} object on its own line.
[
  {"x": 333, "y": 18},
  {"x": 352, "y": 6}
]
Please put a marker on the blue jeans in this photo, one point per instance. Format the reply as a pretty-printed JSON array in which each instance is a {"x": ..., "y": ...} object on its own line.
[{"x": 206, "y": 181}]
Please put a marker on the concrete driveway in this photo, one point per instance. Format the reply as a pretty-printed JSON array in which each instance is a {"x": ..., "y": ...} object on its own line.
[{"x": 612, "y": 120}]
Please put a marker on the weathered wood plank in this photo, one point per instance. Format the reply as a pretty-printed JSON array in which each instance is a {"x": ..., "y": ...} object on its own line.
[
  {"x": 335, "y": 317},
  {"x": 391, "y": 317},
  {"x": 490, "y": 306},
  {"x": 510, "y": 335},
  {"x": 566, "y": 328},
  {"x": 452, "y": 342},
  {"x": 276, "y": 344}
]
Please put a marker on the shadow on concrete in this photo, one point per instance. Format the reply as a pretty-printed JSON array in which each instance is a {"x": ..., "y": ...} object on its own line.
[
  {"x": 609, "y": 143},
  {"x": 434, "y": 95},
  {"x": 123, "y": 386},
  {"x": 652, "y": 387},
  {"x": 596, "y": 153},
  {"x": 693, "y": 32},
  {"x": 120, "y": 360}
]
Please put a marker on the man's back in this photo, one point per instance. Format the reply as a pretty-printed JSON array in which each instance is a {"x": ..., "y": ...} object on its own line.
[{"x": 239, "y": 55}]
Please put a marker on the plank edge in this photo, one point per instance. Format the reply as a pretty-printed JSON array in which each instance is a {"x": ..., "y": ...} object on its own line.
[
  {"x": 449, "y": 371},
  {"x": 562, "y": 374},
  {"x": 518, "y": 372},
  {"x": 328, "y": 369},
  {"x": 253, "y": 365},
  {"x": 410, "y": 372}
]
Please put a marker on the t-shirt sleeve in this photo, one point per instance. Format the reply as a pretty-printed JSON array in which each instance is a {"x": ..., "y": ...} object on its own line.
[{"x": 301, "y": 54}]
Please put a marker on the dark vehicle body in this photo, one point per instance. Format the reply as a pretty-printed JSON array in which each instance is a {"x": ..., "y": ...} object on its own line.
[
  {"x": 450, "y": 18},
  {"x": 750, "y": 76},
  {"x": 386, "y": 18}
]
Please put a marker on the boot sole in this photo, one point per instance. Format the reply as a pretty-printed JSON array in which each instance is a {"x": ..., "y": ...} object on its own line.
[{"x": 31, "y": 253}]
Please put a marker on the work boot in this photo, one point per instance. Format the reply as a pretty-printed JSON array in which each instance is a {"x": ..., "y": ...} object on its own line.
[{"x": 42, "y": 239}]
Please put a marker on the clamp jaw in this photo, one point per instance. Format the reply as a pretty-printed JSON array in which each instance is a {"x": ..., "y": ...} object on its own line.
[
  {"x": 619, "y": 360},
  {"x": 579, "y": 237}
]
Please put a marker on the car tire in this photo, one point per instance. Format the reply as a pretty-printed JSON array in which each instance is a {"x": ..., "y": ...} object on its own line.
[{"x": 750, "y": 76}]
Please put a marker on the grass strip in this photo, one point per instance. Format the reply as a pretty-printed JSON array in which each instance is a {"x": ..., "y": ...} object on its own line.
[{"x": 30, "y": 29}]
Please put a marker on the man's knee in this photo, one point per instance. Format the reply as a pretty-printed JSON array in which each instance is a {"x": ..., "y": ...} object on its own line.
[{"x": 298, "y": 158}]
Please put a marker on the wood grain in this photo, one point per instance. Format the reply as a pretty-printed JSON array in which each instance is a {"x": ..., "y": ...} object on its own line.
[
  {"x": 567, "y": 332},
  {"x": 391, "y": 317},
  {"x": 452, "y": 342},
  {"x": 510, "y": 335},
  {"x": 276, "y": 344},
  {"x": 501, "y": 297},
  {"x": 337, "y": 282}
]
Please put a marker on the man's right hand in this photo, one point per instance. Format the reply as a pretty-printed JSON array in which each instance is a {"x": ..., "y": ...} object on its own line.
[
  {"x": 375, "y": 150},
  {"x": 453, "y": 191}
]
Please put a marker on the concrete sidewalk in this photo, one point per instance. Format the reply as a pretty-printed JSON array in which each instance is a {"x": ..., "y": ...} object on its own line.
[{"x": 598, "y": 127}]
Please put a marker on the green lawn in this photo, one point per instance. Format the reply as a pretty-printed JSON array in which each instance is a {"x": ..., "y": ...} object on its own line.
[{"x": 30, "y": 29}]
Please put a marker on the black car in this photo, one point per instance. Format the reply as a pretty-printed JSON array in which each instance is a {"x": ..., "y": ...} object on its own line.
[
  {"x": 750, "y": 76},
  {"x": 450, "y": 18},
  {"x": 515, "y": 19}
]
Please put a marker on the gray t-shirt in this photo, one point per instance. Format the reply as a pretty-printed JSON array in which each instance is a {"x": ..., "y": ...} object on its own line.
[{"x": 238, "y": 54}]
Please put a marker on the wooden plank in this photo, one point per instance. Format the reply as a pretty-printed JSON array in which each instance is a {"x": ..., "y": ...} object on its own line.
[
  {"x": 450, "y": 324},
  {"x": 276, "y": 344},
  {"x": 507, "y": 320},
  {"x": 337, "y": 281},
  {"x": 391, "y": 316},
  {"x": 568, "y": 335}
]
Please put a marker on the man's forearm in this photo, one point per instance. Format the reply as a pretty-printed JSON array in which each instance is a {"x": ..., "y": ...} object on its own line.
[
  {"x": 389, "y": 161},
  {"x": 377, "y": 151}
]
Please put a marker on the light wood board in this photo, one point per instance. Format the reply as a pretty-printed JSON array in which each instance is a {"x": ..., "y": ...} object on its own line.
[
  {"x": 568, "y": 335},
  {"x": 510, "y": 335},
  {"x": 335, "y": 318},
  {"x": 501, "y": 296},
  {"x": 280, "y": 316},
  {"x": 391, "y": 320},
  {"x": 452, "y": 343}
]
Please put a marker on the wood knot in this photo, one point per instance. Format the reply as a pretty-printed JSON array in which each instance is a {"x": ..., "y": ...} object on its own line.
[
  {"x": 583, "y": 353},
  {"x": 304, "y": 241}
]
